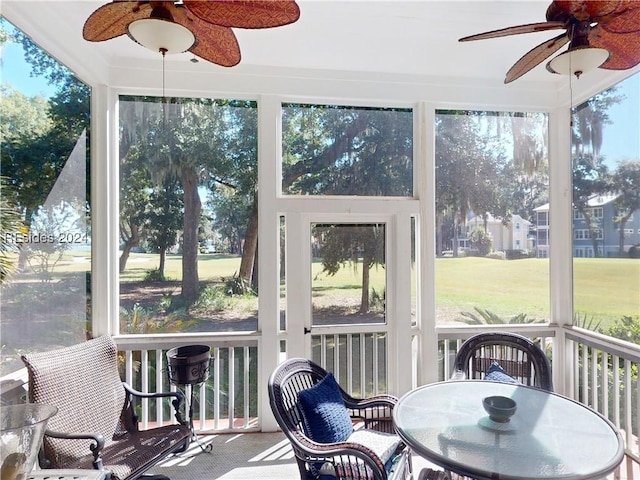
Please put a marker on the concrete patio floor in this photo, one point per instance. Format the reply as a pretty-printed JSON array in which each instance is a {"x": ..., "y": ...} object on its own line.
[
  {"x": 249, "y": 456},
  {"x": 253, "y": 456}
]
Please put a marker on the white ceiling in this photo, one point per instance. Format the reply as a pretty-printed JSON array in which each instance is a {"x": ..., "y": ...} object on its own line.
[{"x": 415, "y": 37}]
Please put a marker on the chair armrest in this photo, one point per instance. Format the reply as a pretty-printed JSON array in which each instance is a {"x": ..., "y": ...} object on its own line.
[
  {"x": 176, "y": 402},
  {"x": 95, "y": 447},
  {"x": 345, "y": 457},
  {"x": 375, "y": 412}
]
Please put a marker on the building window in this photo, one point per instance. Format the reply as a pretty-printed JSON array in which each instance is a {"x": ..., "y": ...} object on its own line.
[
  {"x": 596, "y": 212},
  {"x": 543, "y": 219}
]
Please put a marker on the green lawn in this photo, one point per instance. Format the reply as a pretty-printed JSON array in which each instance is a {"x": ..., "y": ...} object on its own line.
[{"x": 605, "y": 289}]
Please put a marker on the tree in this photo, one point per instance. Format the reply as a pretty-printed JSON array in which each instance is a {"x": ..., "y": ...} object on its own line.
[
  {"x": 466, "y": 172},
  {"x": 589, "y": 120},
  {"x": 480, "y": 240},
  {"x": 335, "y": 150},
  {"x": 626, "y": 182},
  {"x": 135, "y": 197},
  {"x": 163, "y": 219},
  {"x": 199, "y": 142},
  {"x": 41, "y": 134},
  {"x": 10, "y": 228},
  {"x": 590, "y": 178},
  {"x": 343, "y": 244}
]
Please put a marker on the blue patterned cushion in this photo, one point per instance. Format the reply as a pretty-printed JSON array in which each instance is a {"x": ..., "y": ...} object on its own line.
[
  {"x": 325, "y": 417},
  {"x": 497, "y": 374}
]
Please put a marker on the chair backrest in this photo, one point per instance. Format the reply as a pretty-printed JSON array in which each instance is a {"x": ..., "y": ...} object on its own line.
[
  {"x": 83, "y": 382},
  {"x": 288, "y": 379},
  {"x": 519, "y": 357}
]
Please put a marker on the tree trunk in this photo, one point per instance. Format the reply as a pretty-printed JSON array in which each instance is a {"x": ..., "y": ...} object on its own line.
[
  {"x": 132, "y": 241},
  {"x": 163, "y": 257},
  {"x": 192, "y": 206},
  {"x": 366, "y": 269},
  {"x": 250, "y": 246},
  {"x": 455, "y": 236},
  {"x": 621, "y": 224}
]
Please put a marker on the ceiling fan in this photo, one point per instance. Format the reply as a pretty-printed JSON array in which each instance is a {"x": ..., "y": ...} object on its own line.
[
  {"x": 200, "y": 27},
  {"x": 612, "y": 26}
]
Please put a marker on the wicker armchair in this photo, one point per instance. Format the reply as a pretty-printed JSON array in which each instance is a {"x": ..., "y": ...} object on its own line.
[
  {"x": 518, "y": 356},
  {"x": 96, "y": 427},
  {"x": 347, "y": 460}
]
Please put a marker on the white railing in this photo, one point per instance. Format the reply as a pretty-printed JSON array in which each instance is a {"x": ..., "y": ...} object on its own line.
[
  {"x": 602, "y": 372},
  {"x": 354, "y": 359},
  {"x": 451, "y": 337},
  {"x": 226, "y": 402},
  {"x": 604, "y": 376}
]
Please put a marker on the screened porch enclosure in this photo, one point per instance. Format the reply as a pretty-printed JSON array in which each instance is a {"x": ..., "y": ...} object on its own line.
[{"x": 341, "y": 200}]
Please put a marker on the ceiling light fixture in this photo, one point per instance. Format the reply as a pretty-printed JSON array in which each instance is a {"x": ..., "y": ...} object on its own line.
[
  {"x": 578, "y": 61},
  {"x": 159, "y": 34}
]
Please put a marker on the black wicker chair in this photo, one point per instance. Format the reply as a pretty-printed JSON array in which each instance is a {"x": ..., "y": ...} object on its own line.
[
  {"x": 345, "y": 460},
  {"x": 96, "y": 427},
  {"x": 518, "y": 356}
]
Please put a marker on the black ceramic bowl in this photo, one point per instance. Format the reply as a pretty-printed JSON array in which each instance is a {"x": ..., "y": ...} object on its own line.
[{"x": 500, "y": 409}]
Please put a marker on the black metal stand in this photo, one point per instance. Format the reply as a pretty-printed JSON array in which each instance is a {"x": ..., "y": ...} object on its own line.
[
  {"x": 188, "y": 366},
  {"x": 208, "y": 448}
]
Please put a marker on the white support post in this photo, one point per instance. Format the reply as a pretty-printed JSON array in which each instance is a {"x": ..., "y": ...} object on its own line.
[
  {"x": 400, "y": 286},
  {"x": 269, "y": 148},
  {"x": 560, "y": 240},
  {"x": 425, "y": 157},
  {"x": 104, "y": 211}
]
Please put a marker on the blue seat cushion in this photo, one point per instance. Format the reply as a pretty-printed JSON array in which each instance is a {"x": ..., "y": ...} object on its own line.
[
  {"x": 325, "y": 416},
  {"x": 496, "y": 373}
]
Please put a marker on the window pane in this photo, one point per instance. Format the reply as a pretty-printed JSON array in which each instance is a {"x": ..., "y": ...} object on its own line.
[
  {"x": 348, "y": 282},
  {"x": 45, "y": 244},
  {"x": 336, "y": 150},
  {"x": 606, "y": 220},
  {"x": 491, "y": 208},
  {"x": 188, "y": 215}
]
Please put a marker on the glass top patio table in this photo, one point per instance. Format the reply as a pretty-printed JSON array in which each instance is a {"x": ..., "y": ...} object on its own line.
[{"x": 549, "y": 437}]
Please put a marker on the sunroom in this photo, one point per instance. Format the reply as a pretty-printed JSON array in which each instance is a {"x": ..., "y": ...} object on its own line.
[{"x": 401, "y": 196}]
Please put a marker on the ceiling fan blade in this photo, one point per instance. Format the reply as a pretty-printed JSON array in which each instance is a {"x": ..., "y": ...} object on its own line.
[
  {"x": 223, "y": 50},
  {"x": 625, "y": 20},
  {"x": 245, "y": 13},
  {"x": 214, "y": 43},
  {"x": 536, "y": 56},
  {"x": 517, "y": 30},
  {"x": 623, "y": 47},
  {"x": 588, "y": 9},
  {"x": 111, "y": 20}
]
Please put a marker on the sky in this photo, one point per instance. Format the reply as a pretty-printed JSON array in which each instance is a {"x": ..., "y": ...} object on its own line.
[
  {"x": 16, "y": 72},
  {"x": 621, "y": 139}
]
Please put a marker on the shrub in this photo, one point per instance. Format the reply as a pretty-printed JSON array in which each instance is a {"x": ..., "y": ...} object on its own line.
[
  {"x": 634, "y": 252},
  {"x": 480, "y": 241},
  {"x": 485, "y": 317},
  {"x": 237, "y": 285},
  {"x": 626, "y": 328},
  {"x": 154, "y": 275},
  {"x": 517, "y": 254}
]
